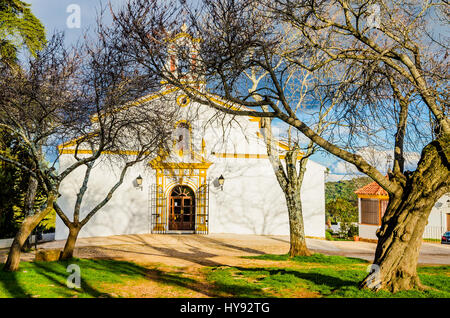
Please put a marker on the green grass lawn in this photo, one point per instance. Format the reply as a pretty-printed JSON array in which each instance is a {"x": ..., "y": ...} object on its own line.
[
  {"x": 48, "y": 279},
  {"x": 269, "y": 276},
  {"x": 318, "y": 276}
]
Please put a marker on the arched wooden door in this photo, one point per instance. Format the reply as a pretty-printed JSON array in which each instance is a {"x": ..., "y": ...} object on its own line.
[{"x": 182, "y": 209}]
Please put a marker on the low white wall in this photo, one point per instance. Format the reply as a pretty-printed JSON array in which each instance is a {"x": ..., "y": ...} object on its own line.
[
  {"x": 436, "y": 226},
  {"x": 430, "y": 232},
  {"x": 6, "y": 243},
  {"x": 47, "y": 237},
  {"x": 368, "y": 231}
]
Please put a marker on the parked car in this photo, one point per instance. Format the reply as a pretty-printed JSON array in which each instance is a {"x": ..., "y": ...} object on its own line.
[{"x": 446, "y": 238}]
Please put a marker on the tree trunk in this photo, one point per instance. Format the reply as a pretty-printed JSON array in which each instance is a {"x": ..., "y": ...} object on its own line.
[
  {"x": 74, "y": 230},
  {"x": 297, "y": 229},
  {"x": 29, "y": 207},
  {"x": 28, "y": 225},
  {"x": 400, "y": 235},
  {"x": 290, "y": 182}
]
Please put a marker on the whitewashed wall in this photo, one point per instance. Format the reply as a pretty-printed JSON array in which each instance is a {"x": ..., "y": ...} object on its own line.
[
  {"x": 250, "y": 203},
  {"x": 126, "y": 213}
]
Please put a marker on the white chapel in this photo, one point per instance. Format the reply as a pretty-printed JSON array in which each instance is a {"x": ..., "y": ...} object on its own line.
[{"x": 215, "y": 180}]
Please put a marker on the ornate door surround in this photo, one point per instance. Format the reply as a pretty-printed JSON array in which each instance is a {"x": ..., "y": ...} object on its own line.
[{"x": 167, "y": 206}]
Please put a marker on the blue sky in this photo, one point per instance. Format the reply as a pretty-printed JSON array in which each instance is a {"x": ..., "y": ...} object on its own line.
[{"x": 54, "y": 15}]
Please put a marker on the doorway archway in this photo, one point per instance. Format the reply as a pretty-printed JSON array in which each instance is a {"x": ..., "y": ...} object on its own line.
[{"x": 182, "y": 209}]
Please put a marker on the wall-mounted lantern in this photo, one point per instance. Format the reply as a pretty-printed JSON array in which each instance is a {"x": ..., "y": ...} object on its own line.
[
  {"x": 139, "y": 182},
  {"x": 221, "y": 181}
]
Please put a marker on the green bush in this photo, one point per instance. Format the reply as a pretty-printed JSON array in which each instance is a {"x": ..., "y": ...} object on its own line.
[
  {"x": 353, "y": 230},
  {"x": 328, "y": 235}
]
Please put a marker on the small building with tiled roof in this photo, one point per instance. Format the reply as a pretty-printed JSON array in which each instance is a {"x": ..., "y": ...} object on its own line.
[
  {"x": 373, "y": 201},
  {"x": 372, "y": 189}
]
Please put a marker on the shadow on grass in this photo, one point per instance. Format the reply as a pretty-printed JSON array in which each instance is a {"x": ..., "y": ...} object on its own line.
[
  {"x": 10, "y": 283},
  {"x": 58, "y": 276},
  {"x": 328, "y": 282},
  {"x": 276, "y": 282},
  {"x": 49, "y": 279},
  {"x": 226, "y": 283},
  {"x": 176, "y": 280},
  {"x": 315, "y": 258},
  {"x": 317, "y": 278}
]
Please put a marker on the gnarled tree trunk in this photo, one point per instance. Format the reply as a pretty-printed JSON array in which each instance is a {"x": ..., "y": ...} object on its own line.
[
  {"x": 297, "y": 229},
  {"x": 74, "y": 230},
  {"x": 400, "y": 236},
  {"x": 292, "y": 192},
  {"x": 28, "y": 224},
  {"x": 29, "y": 206}
]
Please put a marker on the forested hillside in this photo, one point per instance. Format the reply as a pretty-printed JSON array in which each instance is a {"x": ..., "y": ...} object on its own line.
[
  {"x": 345, "y": 189},
  {"x": 341, "y": 200}
]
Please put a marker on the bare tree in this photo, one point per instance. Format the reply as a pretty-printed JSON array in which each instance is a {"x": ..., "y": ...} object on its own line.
[
  {"x": 391, "y": 73},
  {"x": 127, "y": 134},
  {"x": 72, "y": 101},
  {"x": 32, "y": 98},
  {"x": 289, "y": 177},
  {"x": 404, "y": 72}
]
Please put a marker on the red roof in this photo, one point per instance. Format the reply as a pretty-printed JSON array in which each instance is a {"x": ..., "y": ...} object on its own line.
[{"x": 372, "y": 188}]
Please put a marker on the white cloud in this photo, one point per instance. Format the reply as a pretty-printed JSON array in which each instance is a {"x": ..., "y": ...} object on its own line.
[
  {"x": 343, "y": 167},
  {"x": 380, "y": 159},
  {"x": 332, "y": 177}
]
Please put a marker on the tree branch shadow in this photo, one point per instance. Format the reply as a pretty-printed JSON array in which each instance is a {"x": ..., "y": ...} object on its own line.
[{"x": 11, "y": 284}]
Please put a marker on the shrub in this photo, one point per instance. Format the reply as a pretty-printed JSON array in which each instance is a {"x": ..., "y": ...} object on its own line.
[{"x": 353, "y": 230}]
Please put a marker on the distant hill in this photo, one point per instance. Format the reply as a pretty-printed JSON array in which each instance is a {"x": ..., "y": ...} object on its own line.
[{"x": 345, "y": 189}]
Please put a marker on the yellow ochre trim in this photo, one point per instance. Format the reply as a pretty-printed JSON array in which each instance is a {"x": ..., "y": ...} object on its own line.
[
  {"x": 373, "y": 196},
  {"x": 74, "y": 141},
  {"x": 180, "y": 103},
  {"x": 179, "y": 165},
  {"x": 184, "y": 82},
  {"x": 138, "y": 102},
  {"x": 106, "y": 152},
  {"x": 247, "y": 156},
  {"x": 280, "y": 143},
  {"x": 184, "y": 35},
  {"x": 225, "y": 104},
  {"x": 256, "y": 119}
]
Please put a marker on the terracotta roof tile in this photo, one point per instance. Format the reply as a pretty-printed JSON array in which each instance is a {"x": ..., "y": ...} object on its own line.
[{"x": 372, "y": 188}]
